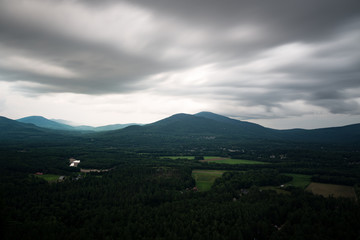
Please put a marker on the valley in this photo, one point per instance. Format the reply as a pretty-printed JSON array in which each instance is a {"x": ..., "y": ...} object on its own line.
[{"x": 183, "y": 177}]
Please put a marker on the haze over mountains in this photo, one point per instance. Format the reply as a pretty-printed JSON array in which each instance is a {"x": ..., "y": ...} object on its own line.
[
  {"x": 59, "y": 125},
  {"x": 200, "y": 127}
]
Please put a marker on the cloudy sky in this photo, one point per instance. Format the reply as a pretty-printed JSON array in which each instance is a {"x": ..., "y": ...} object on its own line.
[{"x": 280, "y": 63}]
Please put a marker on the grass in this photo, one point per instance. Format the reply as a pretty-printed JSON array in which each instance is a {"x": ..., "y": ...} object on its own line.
[
  {"x": 49, "y": 177},
  {"x": 327, "y": 190},
  {"x": 205, "y": 178},
  {"x": 299, "y": 180},
  {"x": 211, "y": 157}
]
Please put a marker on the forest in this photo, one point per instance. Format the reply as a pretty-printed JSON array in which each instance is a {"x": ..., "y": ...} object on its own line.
[
  {"x": 139, "y": 184},
  {"x": 148, "y": 196}
]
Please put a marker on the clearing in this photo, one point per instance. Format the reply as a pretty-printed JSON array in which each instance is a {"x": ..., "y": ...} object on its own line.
[
  {"x": 49, "y": 177},
  {"x": 327, "y": 190},
  {"x": 299, "y": 180},
  {"x": 205, "y": 178}
]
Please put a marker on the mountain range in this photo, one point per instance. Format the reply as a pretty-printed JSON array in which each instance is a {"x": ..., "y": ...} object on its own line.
[
  {"x": 200, "y": 127},
  {"x": 60, "y": 125}
]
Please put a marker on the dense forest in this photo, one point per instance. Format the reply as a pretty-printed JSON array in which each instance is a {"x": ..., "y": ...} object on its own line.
[{"x": 152, "y": 202}]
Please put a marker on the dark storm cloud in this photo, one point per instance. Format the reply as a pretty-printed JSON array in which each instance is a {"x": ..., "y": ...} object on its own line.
[
  {"x": 261, "y": 53},
  {"x": 99, "y": 68}
]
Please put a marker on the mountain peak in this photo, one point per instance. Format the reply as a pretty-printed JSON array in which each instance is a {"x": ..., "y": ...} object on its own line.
[{"x": 211, "y": 115}]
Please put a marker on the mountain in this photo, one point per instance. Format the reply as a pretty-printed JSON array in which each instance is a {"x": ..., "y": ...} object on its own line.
[
  {"x": 210, "y": 126},
  {"x": 110, "y": 127},
  {"x": 113, "y": 127},
  {"x": 59, "y": 124},
  {"x": 343, "y": 134},
  {"x": 14, "y": 130},
  {"x": 182, "y": 129},
  {"x": 45, "y": 123},
  {"x": 251, "y": 128},
  {"x": 206, "y": 123}
]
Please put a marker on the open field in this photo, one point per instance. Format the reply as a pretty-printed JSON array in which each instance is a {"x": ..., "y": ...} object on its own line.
[
  {"x": 49, "y": 177},
  {"x": 299, "y": 180},
  {"x": 327, "y": 190},
  {"x": 205, "y": 178},
  {"x": 209, "y": 158}
]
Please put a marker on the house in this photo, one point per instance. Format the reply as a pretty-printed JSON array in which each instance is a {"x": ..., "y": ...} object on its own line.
[
  {"x": 74, "y": 162},
  {"x": 39, "y": 173}
]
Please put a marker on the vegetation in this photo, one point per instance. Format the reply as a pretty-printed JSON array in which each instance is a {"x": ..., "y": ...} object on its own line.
[
  {"x": 49, "y": 177},
  {"x": 235, "y": 161},
  {"x": 205, "y": 178},
  {"x": 299, "y": 180},
  {"x": 178, "y": 157},
  {"x": 327, "y": 190},
  {"x": 147, "y": 196}
]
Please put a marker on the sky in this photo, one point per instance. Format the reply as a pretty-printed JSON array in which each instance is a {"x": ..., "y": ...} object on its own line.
[{"x": 280, "y": 63}]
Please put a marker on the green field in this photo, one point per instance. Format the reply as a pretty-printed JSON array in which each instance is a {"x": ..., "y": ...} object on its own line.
[
  {"x": 327, "y": 190},
  {"x": 49, "y": 177},
  {"x": 211, "y": 157},
  {"x": 235, "y": 161},
  {"x": 206, "y": 178},
  {"x": 299, "y": 180}
]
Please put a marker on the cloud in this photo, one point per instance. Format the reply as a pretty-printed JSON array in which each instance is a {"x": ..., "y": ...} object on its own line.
[{"x": 249, "y": 59}]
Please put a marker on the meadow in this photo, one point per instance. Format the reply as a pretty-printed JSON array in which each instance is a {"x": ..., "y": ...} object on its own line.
[
  {"x": 205, "y": 178},
  {"x": 299, "y": 180},
  {"x": 334, "y": 190},
  {"x": 49, "y": 177}
]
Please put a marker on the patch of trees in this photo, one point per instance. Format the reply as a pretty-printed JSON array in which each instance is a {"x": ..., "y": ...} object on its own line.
[
  {"x": 342, "y": 180},
  {"x": 232, "y": 181}
]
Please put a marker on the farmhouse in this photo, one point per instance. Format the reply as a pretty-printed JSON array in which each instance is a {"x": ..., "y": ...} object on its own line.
[{"x": 74, "y": 162}]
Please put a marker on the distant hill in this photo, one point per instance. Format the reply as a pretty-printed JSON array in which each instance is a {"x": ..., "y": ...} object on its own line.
[
  {"x": 181, "y": 130},
  {"x": 207, "y": 125},
  {"x": 110, "y": 127},
  {"x": 60, "y": 124},
  {"x": 14, "y": 130},
  {"x": 45, "y": 123}
]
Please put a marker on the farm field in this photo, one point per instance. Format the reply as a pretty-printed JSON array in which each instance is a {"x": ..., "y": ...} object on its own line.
[
  {"x": 299, "y": 180},
  {"x": 205, "y": 178},
  {"x": 49, "y": 177},
  {"x": 327, "y": 190}
]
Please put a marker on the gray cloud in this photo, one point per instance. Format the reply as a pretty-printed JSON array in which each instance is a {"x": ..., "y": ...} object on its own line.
[{"x": 265, "y": 54}]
